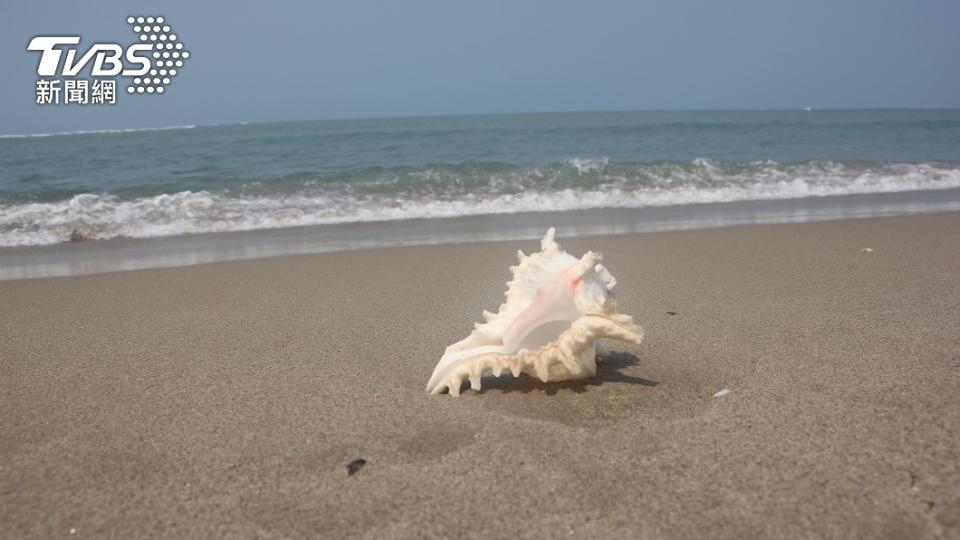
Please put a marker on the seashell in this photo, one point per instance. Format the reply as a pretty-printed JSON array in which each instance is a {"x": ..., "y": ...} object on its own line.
[{"x": 556, "y": 307}]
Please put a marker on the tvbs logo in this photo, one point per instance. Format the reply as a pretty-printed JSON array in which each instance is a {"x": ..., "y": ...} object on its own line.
[
  {"x": 107, "y": 57},
  {"x": 150, "y": 63}
]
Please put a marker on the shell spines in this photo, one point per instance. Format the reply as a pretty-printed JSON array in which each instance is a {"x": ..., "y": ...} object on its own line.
[{"x": 572, "y": 356}]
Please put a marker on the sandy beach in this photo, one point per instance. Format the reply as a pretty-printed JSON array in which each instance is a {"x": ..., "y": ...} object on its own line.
[{"x": 225, "y": 400}]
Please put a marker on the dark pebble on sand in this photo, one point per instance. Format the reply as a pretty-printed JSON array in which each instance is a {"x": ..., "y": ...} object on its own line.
[{"x": 355, "y": 466}]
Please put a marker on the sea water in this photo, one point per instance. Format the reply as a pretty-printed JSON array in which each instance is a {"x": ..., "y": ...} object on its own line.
[{"x": 428, "y": 172}]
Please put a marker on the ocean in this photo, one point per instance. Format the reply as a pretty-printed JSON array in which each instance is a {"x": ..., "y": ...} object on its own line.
[{"x": 433, "y": 172}]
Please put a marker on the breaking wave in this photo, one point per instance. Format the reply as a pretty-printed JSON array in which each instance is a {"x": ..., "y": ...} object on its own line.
[{"x": 439, "y": 191}]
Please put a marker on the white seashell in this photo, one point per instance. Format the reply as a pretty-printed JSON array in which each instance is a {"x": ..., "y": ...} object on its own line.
[{"x": 556, "y": 308}]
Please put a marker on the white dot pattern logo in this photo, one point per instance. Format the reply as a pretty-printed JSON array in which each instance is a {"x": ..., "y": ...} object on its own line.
[{"x": 156, "y": 31}]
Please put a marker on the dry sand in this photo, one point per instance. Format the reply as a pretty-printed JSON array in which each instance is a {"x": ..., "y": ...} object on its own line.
[{"x": 227, "y": 399}]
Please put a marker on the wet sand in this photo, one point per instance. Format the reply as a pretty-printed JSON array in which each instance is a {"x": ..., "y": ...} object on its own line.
[{"x": 227, "y": 399}]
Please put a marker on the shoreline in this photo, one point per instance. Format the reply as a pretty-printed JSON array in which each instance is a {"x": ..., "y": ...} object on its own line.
[
  {"x": 229, "y": 398},
  {"x": 123, "y": 254}
]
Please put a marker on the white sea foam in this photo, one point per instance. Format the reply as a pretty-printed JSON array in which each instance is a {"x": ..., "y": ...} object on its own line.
[
  {"x": 587, "y": 165},
  {"x": 90, "y": 132},
  {"x": 703, "y": 181}
]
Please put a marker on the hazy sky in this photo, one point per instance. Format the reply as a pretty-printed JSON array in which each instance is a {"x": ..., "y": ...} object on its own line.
[{"x": 286, "y": 60}]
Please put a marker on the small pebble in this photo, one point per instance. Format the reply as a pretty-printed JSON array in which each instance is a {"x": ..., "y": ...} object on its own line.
[
  {"x": 722, "y": 393},
  {"x": 355, "y": 466}
]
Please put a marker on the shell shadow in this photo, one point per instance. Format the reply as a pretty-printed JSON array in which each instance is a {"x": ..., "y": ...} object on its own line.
[{"x": 609, "y": 369}]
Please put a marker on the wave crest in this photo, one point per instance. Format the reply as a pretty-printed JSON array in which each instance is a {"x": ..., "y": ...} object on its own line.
[
  {"x": 90, "y": 132},
  {"x": 471, "y": 188}
]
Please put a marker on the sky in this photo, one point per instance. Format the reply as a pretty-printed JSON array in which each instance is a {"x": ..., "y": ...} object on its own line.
[{"x": 307, "y": 60}]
